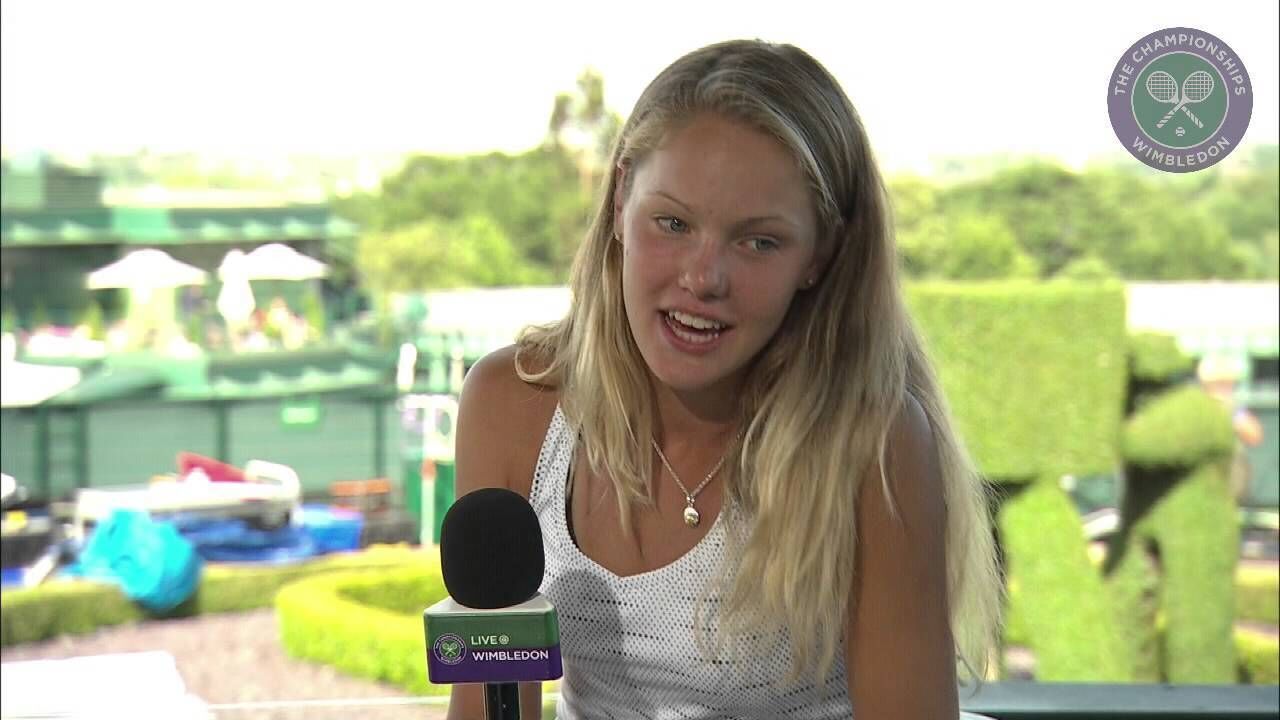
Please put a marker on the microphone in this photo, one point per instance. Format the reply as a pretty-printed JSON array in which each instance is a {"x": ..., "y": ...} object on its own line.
[{"x": 494, "y": 628}]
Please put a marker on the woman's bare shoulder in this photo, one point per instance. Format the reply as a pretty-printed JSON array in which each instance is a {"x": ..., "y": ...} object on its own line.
[{"x": 502, "y": 420}]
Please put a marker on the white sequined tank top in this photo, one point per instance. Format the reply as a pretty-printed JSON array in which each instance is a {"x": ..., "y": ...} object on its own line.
[{"x": 629, "y": 646}]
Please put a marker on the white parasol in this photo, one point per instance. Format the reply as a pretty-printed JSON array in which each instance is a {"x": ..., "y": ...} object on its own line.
[
  {"x": 146, "y": 270},
  {"x": 277, "y": 261}
]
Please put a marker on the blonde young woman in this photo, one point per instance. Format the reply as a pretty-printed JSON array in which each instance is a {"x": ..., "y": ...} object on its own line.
[{"x": 752, "y": 498}]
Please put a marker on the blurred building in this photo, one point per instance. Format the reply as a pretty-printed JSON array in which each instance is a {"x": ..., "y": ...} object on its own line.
[{"x": 55, "y": 228}]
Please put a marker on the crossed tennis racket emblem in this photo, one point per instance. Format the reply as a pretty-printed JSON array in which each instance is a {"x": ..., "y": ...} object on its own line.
[{"x": 1164, "y": 89}]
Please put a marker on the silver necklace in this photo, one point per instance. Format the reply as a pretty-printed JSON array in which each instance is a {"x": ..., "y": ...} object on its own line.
[{"x": 691, "y": 516}]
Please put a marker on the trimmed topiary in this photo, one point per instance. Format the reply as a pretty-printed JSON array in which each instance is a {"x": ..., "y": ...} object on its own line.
[
  {"x": 365, "y": 623},
  {"x": 79, "y": 607},
  {"x": 1156, "y": 358},
  {"x": 1182, "y": 427}
]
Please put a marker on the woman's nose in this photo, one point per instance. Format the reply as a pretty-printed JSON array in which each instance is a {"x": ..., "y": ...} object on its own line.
[{"x": 704, "y": 274}]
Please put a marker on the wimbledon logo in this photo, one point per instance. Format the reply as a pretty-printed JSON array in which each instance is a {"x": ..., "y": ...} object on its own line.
[
  {"x": 449, "y": 649},
  {"x": 1180, "y": 100}
]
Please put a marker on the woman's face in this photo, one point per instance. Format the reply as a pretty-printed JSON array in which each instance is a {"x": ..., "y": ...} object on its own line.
[{"x": 718, "y": 232}]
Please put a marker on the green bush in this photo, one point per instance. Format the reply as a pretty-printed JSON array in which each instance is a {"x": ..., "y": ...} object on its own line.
[
  {"x": 1134, "y": 586},
  {"x": 368, "y": 624},
  {"x": 79, "y": 607},
  {"x": 1036, "y": 377},
  {"x": 1258, "y": 594},
  {"x": 1259, "y": 655},
  {"x": 1175, "y": 556},
  {"x": 1197, "y": 530},
  {"x": 1182, "y": 427},
  {"x": 1060, "y": 609},
  {"x": 1034, "y": 373},
  {"x": 1156, "y": 358}
]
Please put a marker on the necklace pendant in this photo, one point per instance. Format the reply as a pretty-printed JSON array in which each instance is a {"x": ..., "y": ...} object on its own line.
[{"x": 691, "y": 516}]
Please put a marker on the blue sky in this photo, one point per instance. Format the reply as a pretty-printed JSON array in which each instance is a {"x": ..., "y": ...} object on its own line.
[{"x": 239, "y": 77}]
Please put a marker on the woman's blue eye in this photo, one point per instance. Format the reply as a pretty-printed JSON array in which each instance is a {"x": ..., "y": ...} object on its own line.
[
  {"x": 672, "y": 224},
  {"x": 763, "y": 244}
]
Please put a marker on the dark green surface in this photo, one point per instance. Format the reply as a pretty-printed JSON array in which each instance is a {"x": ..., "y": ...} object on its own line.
[
  {"x": 133, "y": 414},
  {"x": 1079, "y": 701},
  {"x": 1264, "y": 458},
  {"x": 538, "y": 630},
  {"x": 169, "y": 226}
]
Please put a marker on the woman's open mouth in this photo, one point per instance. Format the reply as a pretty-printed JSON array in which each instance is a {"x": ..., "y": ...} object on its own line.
[{"x": 691, "y": 332}]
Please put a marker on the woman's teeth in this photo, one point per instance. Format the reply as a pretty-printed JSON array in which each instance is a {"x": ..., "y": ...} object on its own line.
[
  {"x": 693, "y": 329},
  {"x": 696, "y": 322}
]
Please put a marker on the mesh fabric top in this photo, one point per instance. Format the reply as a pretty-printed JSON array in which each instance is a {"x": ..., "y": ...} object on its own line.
[{"x": 628, "y": 643}]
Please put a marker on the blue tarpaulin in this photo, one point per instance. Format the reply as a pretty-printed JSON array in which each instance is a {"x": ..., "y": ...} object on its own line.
[{"x": 150, "y": 560}]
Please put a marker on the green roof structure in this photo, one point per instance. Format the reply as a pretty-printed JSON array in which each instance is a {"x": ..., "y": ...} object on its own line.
[{"x": 168, "y": 226}]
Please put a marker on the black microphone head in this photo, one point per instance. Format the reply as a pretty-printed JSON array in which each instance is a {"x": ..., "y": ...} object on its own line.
[{"x": 491, "y": 549}]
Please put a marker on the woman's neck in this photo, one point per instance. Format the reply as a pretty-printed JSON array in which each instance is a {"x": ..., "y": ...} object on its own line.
[{"x": 704, "y": 419}]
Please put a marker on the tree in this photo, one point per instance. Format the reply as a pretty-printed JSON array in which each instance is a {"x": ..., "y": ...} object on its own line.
[
  {"x": 437, "y": 254},
  {"x": 583, "y": 128},
  {"x": 1047, "y": 207},
  {"x": 1143, "y": 224},
  {"x": 533, "y": 197},
  {"x": 1086, "y": 268},
  {"x": 540, "y": 200},
  {"x": 966, "y": 246}
]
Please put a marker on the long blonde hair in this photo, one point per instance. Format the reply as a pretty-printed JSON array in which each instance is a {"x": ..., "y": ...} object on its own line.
[{"x": 821, "y": 396}]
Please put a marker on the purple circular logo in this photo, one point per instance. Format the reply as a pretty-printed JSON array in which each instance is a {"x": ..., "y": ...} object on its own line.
[
  {"x": 449, "y": 649},
  {"x": 1180, "y": 100}
]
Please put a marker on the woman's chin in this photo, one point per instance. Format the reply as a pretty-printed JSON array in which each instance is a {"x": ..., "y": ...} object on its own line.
[{"x": 703, "y": 380}]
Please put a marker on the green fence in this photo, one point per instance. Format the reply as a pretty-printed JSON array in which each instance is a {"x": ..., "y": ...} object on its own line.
[{"x": 324, "y": 437}]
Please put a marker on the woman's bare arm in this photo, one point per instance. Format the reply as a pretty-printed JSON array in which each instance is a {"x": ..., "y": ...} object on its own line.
[
  {"x": 900, "y": 654},
  {"x": 489, "y": 450}
]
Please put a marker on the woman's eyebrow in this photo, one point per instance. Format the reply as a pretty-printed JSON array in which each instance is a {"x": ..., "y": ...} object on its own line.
[{"x": 673, "y": 199}]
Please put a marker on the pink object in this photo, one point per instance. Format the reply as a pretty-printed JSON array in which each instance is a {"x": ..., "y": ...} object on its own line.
[{"x": 217, "y": 470}]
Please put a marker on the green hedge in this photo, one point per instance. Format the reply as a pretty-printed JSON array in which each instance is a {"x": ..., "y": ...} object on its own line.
[
  {"x": 1259, "y": 655},
  {"x": 1035, "y": 373},
  {"x": 1061, "y": 609},
  {"x": 1134, "y": 586},
  {"x": 1181, "y": 427},
  {"x": 368, "y": 624},
  {"x": 1258, "y": 594},
  {"x": 79, "y": 607},
  {"x": 1178, "y": 547},
  {"x": 1196, "y": 526},
  {"x": 1156, "y": 358}
]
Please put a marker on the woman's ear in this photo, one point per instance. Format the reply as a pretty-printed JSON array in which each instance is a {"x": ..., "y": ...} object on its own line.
[{"x": 822, "y": 255}]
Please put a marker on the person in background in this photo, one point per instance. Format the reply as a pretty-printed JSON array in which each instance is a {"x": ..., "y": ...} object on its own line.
[
  {"x": 754, "y": 501},
  {"x": 1220, "y": 376}
]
